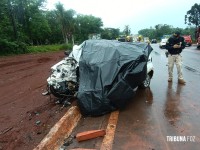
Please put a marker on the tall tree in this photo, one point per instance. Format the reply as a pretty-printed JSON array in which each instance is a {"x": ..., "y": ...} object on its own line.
[
  {"x": 110, "y": 33},
  {"x": 66, "y": 21},
  {"x": 22, "y": 14},
  {"x": 13, "y": 22},
  {"x": 151, "y": 33},
  {"x": 127, "y": 30},
  {"x": 40, "y": 29},
  {"x": 88, "y": 24},
  {"x": 163, "y": 30},
  {"x": 55, "y": 29},
  {"x": 193, "y": 15},
  {"x": 6, "y": 30}
]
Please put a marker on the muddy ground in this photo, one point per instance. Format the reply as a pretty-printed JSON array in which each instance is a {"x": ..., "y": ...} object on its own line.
[{"x": 26, "y": 116}]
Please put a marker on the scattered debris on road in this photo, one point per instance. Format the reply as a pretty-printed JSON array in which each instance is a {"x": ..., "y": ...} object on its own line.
[{"x": 90, "y": 135}]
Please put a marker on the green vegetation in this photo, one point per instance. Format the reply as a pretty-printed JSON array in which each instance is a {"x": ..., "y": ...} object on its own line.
[
  {"x": 160, "y": 30},
  {"x": 46, "y": 48},
  {"x": 193, "y": 15},
  {"x": 191, "y": 18},
  {"x": 27, "y": 26},
  {"x": 35, "y": 49}
]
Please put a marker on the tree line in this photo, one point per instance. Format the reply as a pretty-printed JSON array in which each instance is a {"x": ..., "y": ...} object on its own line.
[
  {"x": 28, "y": 22},
  {"x": 192, "y": 18},
  {"x": 159, "y": 30}
]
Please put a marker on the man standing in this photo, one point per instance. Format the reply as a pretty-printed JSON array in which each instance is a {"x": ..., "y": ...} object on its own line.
[{"x": 175, "y": 45}]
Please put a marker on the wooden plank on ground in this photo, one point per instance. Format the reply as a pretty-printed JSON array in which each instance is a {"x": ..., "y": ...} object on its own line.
[{"x": 110, "y": 131}]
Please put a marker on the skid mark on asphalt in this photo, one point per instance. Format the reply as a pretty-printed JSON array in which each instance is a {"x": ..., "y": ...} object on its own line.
[{"x": 110, "y": 131}]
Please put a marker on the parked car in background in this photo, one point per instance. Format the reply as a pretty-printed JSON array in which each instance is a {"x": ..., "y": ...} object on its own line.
[
  {"x": 197, "y": 37},
  {"x": 146, "y": 39},
  {"x": 153, "y": 41},
  {"x": 122, "y": 38},
  {"x": 163, "y": 43},
  {"x": 188, "y": 40},
  {"x": 198, "y": 43}
]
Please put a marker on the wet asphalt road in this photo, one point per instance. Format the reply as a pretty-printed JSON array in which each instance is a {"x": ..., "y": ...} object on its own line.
[{"x": 164, "y": 117}]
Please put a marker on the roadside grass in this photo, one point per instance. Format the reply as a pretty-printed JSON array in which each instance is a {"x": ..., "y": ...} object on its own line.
[
  {"x": 38, "y": 49},
  {"x": 47, "y": 48}
]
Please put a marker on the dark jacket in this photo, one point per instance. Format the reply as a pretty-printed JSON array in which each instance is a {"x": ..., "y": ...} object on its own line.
[{"x": 172, "y": 41}]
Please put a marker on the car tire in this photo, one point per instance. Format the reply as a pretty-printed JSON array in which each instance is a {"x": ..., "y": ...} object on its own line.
[
  {"x": 146, "y": 82},
  {"x": 54, "y": 92}
]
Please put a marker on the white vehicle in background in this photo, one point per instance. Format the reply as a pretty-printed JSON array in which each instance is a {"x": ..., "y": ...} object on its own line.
[
  {"x": 162, "y": 44},
  {"x": 146, "y": 40}
]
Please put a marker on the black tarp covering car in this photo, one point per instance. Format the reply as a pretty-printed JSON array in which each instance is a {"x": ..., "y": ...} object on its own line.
[{"x": 109, "y": 71}]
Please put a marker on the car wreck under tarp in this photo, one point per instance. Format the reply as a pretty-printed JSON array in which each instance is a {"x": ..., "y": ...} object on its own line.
[{"x": 108, "y": 72}]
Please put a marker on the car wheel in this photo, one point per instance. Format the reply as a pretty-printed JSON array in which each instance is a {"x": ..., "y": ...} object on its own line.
[
  {"x": 55, "y": 92},
  {"x": 146, "y": 82}
]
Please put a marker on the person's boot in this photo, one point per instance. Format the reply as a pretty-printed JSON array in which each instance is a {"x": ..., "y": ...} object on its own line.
[
  {"x": 170, "y": 80},
  {"x": 181, "y": 81}
]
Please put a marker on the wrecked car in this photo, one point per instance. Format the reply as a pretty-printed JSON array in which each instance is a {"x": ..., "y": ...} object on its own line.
[{"x": 102, "y": 74}]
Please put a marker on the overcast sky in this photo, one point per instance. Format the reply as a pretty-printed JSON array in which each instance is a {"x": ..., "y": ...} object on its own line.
[{"x": 138, "y": 14}]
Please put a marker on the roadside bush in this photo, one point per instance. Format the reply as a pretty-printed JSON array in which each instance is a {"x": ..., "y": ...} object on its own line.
[
  {"x": 43, "y": 48},
  {"x": 46, "y": 48},
  {"x": 12, "y": 47},
  {"x": 66, "y": 46}
]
